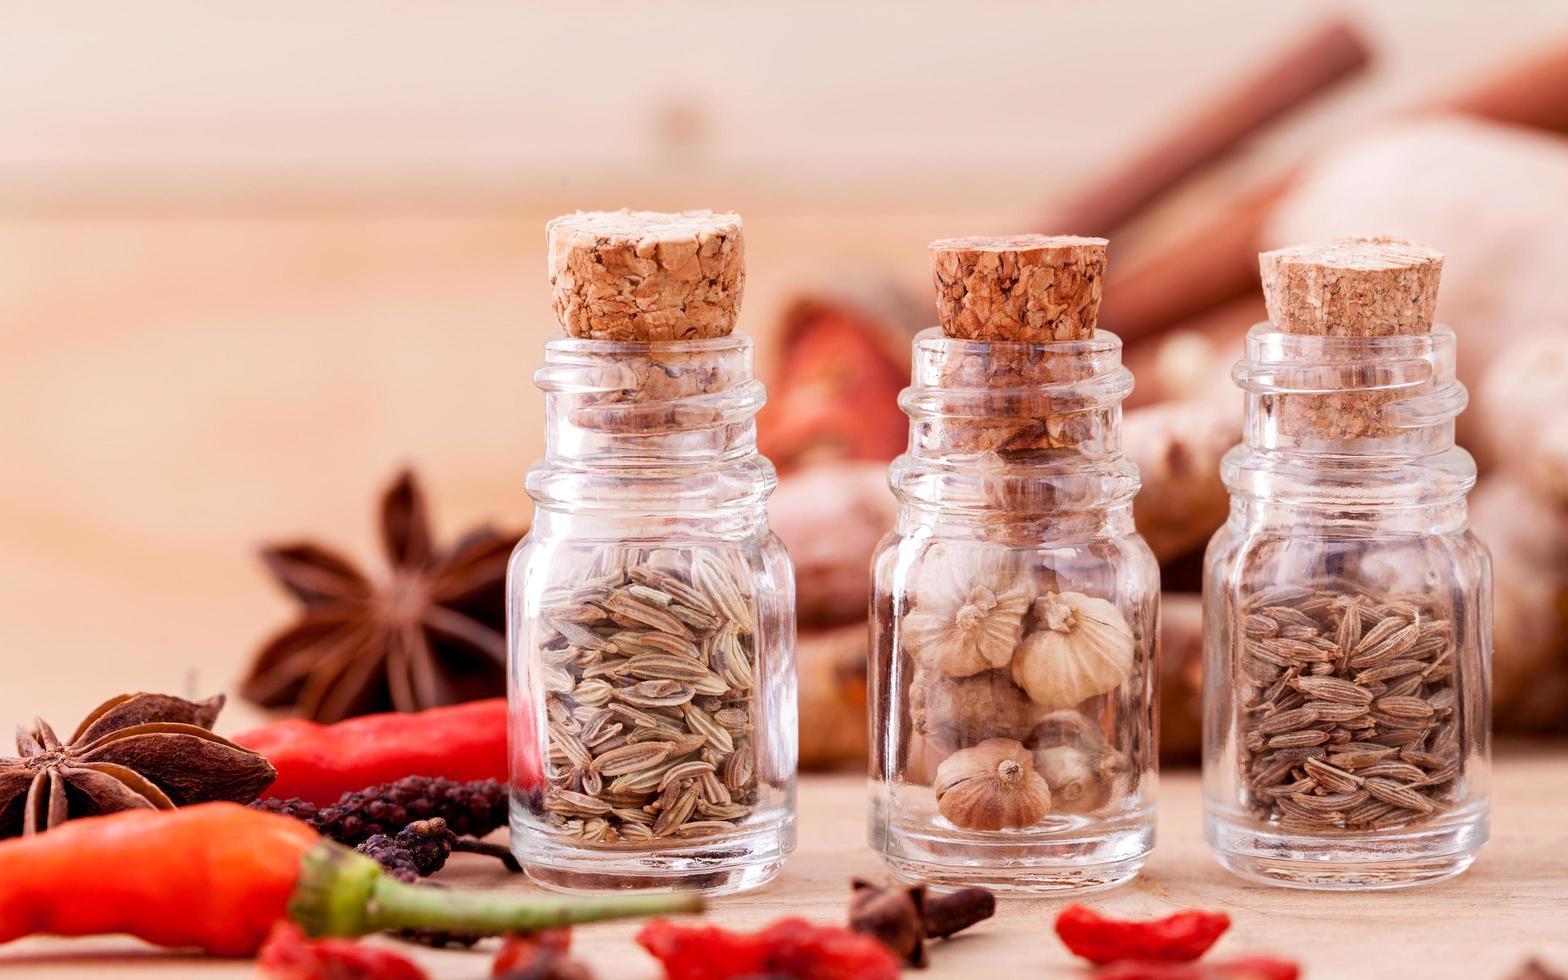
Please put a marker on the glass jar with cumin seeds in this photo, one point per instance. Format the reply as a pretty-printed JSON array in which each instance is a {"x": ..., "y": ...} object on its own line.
[
  {"x": 1347, "y": 605},
  {"x": 651, "y": 610},
  {"x": 1014, "y": 608}
]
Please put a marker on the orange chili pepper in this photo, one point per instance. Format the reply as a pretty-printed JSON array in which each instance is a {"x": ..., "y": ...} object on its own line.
[{"x": 217, "y": 876}]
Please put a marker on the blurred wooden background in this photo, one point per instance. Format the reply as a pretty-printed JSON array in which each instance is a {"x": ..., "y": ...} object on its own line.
[{"x": 253, "y": 257}]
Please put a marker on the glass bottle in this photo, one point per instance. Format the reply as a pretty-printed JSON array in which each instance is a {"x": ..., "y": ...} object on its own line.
[
  {"x": 651, "y": 627},
  {"x": 1347, "y": 604},
  {"x": 1014, "y": 619}
]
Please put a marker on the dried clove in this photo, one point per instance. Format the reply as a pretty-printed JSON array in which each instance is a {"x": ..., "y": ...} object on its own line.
[
  {"x": 895, "y": 916},
  {"x": 903, "y": 917},
  {"x": 957, "y": 911}
]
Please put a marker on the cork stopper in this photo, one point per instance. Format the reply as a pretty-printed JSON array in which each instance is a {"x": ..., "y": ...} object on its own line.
[
  {"x": 1031, "y": 288},
  {"x": 646, "y": 275},
  {"x": 1352, "y": 287}
]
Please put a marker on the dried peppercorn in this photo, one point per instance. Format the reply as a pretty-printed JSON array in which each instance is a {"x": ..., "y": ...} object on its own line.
[
  {"x": 290, "y": 955},
  {"x": 1181, "y": 937},
  {"x": 1240, "y": 968},
  {"x": 219, "y": 876},
  {"x": 474, "y": 808},
  {"x": 319, "y": 763},
  {"x": 786, "y": 948},
  {"x": 421, "y": 849}
]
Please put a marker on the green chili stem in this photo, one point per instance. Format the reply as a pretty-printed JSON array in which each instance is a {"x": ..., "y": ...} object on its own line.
[
  {"x": 395, "y": 905},
  {"x": 341, "y": 893}
]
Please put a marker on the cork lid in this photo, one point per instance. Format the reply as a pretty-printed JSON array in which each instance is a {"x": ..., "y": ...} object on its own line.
[
  {"x": 1031, "y": 288},
  {"x": 646, "y": 275},
  {"x": 1352, "y": 287}
]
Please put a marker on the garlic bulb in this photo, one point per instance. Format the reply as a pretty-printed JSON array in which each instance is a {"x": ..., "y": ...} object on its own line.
[
  {"x": 1081, "y": 781},
  {"x": 1081, "y": 647},
  {"x": 967, "y": 618},
  {"x": 1085, "y": 773},
  {"x": 992, "y": 786},
  {"x": 956, "y": 712}
]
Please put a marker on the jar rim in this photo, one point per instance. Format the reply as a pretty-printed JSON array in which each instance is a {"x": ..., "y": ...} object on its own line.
[
  {"x": 1266, "y": 336},
  {"x": 1103, "y": 342},
  {"x": 564, "y": 343}
]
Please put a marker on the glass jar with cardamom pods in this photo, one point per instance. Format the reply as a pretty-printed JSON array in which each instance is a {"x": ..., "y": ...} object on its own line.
[
  {"x": 1015, "y": 607},
  {"x": 651, "y": 609},
  {"x": 1347, "y": 605}
]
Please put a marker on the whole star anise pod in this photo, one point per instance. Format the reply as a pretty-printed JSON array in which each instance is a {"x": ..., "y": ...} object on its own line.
[
  {"x": 430, "y": 632},
  {"x": 136, "y": 750}
]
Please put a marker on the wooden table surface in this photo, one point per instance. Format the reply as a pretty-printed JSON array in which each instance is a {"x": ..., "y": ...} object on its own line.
[{"x": 1512, "y": 903}]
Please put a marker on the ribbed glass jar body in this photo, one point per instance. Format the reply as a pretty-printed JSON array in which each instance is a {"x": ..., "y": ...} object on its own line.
[
  {"x": 1014, "y": 618},
  {"x": 1347, "y": 621},
  {"x": 651, "y": 628}
]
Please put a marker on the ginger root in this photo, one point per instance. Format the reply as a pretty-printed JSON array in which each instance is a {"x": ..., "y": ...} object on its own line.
[
  {"x": 1181, "y": 677},
  {"x": 1528, "y": 537},
  {"x": 1490, "y": 197},
  {"x": 832, "y": 670},
  {"x": 1177, "y": 447},
  {"x": 1521, "y": 512},
  {"x": 830, "y": 517}
]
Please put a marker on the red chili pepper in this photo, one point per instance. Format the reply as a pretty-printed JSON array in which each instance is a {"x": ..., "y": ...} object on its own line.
[
  {"x": 218, "y": 876},
  {"x": 541, "y": 955},
  {"x": 1240, "y": 968},
  {"x": 319, "y": 763},
  {"x": 1180, "y": 937},
  {"x": 290, "y": 955},
  {"x": 787, "y": 948}
]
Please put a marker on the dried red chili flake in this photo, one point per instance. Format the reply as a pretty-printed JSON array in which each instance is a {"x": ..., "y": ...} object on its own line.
[
  {"x": 1241, "y": 968},
  {"x": 289, "y": 954},
  {"x": 1176, "y": 938},
  {"x": 787, "y": 948},
  {"x": 542, "y": 955}
]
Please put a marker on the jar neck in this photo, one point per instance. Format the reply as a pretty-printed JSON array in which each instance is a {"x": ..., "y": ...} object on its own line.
[
  {"x": 1354, "y": 431},
  {"x": 1021, "y": 433},
  {"x": 1389, "y": 398},
  {"x": 651, "y": 429},
  {"x": 1060, "y": 528},
  {"x": 1417, "y": 494}
]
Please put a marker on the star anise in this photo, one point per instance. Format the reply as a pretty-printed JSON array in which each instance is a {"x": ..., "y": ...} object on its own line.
[
  {"x": 136, "y": 750},
  {"x": 430, "y": 632}
]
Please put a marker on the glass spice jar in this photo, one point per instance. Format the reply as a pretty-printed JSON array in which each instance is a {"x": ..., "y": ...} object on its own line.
[
  {"x": 1347, "y": 604},
  {"x": 1014, "y": 614},
  {"x": 651, "y": 609}
]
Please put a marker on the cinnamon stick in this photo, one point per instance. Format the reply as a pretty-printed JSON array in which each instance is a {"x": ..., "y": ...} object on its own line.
[
  {"x": 1207, "y": 264},
  {"x": 1317, "y": 62},
  {"x": 1532, "y": 93},
  {"x": 1192, "y": 359},
  {"x": 1215, "y": 260}
]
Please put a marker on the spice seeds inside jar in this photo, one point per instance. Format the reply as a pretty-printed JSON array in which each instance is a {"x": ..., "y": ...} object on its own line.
[{"x": 649, "y": 673}]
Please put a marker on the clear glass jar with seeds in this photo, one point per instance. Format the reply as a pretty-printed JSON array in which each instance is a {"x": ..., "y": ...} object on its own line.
[
  {"x": 1015, "y": 606},
  {"x": 651, "y": 610},
  {"x": 1347, "y": 604}
]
